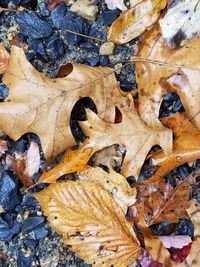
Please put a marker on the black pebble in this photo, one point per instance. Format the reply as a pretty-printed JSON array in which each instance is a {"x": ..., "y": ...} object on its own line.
[
  {"x": 184, "y": 227},
  {"x": 104, "y": 60},
  {"x": 24, "y": 261},
  {"x": 19, "y": 146},
  {"x": 109, "y": 16},
  {"x": 41, "y": 233},
  {"x": 38, "y": 47},
  {"x": 93, "y": 61},
  {"x": 196, "y": 194},
  {"x": 31, "y": 223},
  {"x": 55, "y": 47},
  {"x": 9, "y": 195},
  {"x": 3, "y": 92},
  {"x": 33, "y": 26},
  {"x": 43, "y": 8}
]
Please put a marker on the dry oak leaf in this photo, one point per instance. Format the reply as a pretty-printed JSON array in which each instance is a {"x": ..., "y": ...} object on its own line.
[
  {"x": 112, "y": 4},
  {"x": 164, "y": 202},
  {"x": 131, "y": 132},
  {"x": 186, "y": 146},
  {"x": 4, "y": 59},
  {"x": 90, "y": 223},
  {"x": 179, "y": 25},
  {"x": 163, "y": 70},
  {"x": 114, "y": 182},
  {"x": 3, "y": 147},
  {"x": 135, "y": 21},
  {"x": 42, "y": 105}
]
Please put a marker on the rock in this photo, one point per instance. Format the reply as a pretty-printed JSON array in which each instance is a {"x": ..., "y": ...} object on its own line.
[
  {"x": 55, "y": 47},
  {"x": 43, "y": 8},
  {"x": 3, "y": 92},
  {"x": 39, "y": 49},
  {"x": 7, "y": 227},
  {"x": 33, "y": 26},
  {"x": 41, "y": 233},
  {"x": 93, "y": 61},
  {"x": 24, "y": 260},
  {"x": 58, "y": 14},
  {"x": 29, "y": 4},
  {"x": 18, "y": 146},
  {"x": 109, "y": 16},
  {"x": 104, "y": 60},
  {"x": 89, "y": 46},
  {"x": 48, "y": 253},
  {"x": 85, "y": 9},
  {"x": 9, "y": 195},
  {"x": 184, "y": 227},
  {"x": 107, "y": 48},
  {"x": 30, "y": 243},
  {"x": 32, "y": 223}
]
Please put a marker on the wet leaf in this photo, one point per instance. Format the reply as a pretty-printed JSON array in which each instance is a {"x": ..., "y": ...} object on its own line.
[
  {"x": 135, "y": 21},
  {"x": 179, "y": 25},
  {"x": 4, "y": 59},
  {"x": 114, "y": 182},
  {"x": 37, "y": 103},
  {"x": 90, "y": 223}
]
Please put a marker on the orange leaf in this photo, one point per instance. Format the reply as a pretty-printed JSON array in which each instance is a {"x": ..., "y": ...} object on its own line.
[
  {"x": 4, "y": 59},
  {"x": 186, "y": 146}
]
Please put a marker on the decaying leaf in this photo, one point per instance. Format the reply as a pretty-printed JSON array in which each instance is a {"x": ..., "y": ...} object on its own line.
[
  {"x": 90, "y": 223},
  {"x": 42, "y": 105},
  {"x": 3, "y": 147},
  {"x": 4, "y": 59},
  {"x": 112, "y": 4},
  {"x": 131, "y": 132},
  {"x": 135, "y": 21},
  {"x": 25, "y": 165},
  {"x": 186, "y": 146},
  {"x": 114, "y": 182},
  {"x": 167, "y": 70},
  {"x": 179, "y": 25},
  {"x": 175, "y": 241}
]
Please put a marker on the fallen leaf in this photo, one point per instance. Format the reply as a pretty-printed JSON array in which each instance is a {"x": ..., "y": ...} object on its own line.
[
  {"x": 179, "y": 23},
  {"x": 25, "y": 165},
  {"x": 37, "y": 103},
  {"x": 4, "y": 59},
  {"x": 112, "y": 4},
  {"x": 114, "y": 182},
  {"x": 175, "y": 241},
  {"x": 90, "y": 223},
  {"x": 186, "y": 146},
  {"x": 53, "y": 3},
  {"x": 3, "y": 147},
  {"x": 135, "y": 21},
  {"x": 165, "y": 70},
  {"x": 128, "y": 132}
]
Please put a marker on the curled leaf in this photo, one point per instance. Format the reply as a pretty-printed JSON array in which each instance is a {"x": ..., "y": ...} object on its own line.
[{"x": 90, "y": 223}]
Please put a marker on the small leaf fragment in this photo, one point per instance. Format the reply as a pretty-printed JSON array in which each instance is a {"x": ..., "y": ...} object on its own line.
[{"x": 90, "y": 223}]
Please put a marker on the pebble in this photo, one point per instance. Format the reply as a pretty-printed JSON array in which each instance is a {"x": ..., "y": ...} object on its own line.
[
  {"x": 24, "y": 260},
  {"x": 43, "y": 8},
  {"x": 109, "y": 16},
  {"x": 30, "y": 243},
  {"x": 32, "y": 223},
  {"x": 58, "y": 14},
  {"x": 89, "y": 46},
  {"x": 3, "y": 92},
  {"x": 7, "y": 233},
  {"x": 85, "y": 9},
  {"x": 33, "y": 26},
  {"x": 104, "y": 60},
  {"x": 41, "y": 233},
  {"x": 9, "y": 195},
  {"x": 54, "y": 47},
  {"x": 38, "y": 47},
  {"x": 107, "y": 49},
  {"x": 184, "y": 227}
]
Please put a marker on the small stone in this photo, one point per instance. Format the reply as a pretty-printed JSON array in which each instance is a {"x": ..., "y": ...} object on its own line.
[
  {"x": 30, "y": 243},
  {"x": 32, "y": 223},
  {"x": 33, "y": 26},
  {"x": 39, "y": 49},
  {"x": 109, "y": 16},
  {"x": 107, "y": 48},
  {"x": 58, "y": 14},
  {"x": 3, "y": 92},
  {"x": 89, "y": 46},
  {"x": 7, "y": 231},
  {"x": 29, "y": 4},
  {"x": 104, "y": 60},
  {"x": 41, "y": 233},
  {"x": 24, "y": 260},
  {"x": 55, "y": 47},
  {"x": 9, "y": 196},
  {"x": 85, "y": 9},
  {"x": 93, "y": 61},
  {"x": 43, "y": 8}
]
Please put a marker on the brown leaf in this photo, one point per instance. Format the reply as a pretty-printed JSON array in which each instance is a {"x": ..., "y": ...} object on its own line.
[
  {"x": 114, "y": 182},
  {"x": 90, "y": 223},
  {"x": 165, "y": 70},
  {"x": 43, "y": 106},
  {"x": 128, "y": 132},
  {"x": 135, "y": 21},
  {"x": 53, "y": 3},
  {"x": 25, "y": 165},
  {"x": 164, "y": 202},
  {"x": 4, "y": 59},
  {"x": 3, "y": 147},
  {"x": 186, "y": 146}
]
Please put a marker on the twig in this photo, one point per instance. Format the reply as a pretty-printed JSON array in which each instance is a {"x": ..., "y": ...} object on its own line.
[{"x": 85, "y": 36}]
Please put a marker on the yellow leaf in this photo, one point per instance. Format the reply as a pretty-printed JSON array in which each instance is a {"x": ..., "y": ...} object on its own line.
[
  {"x": 135, "y": 21},
  {"x": 90, "y": 223},
  {"x": 114, "y": 182},
  {"x": 43, "y": 106}
]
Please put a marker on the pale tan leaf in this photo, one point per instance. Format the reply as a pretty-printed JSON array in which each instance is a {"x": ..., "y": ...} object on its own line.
[
  {"x": 42, "y": 105},
  {"x": 114, "y": 182},
  {"x": 90, "y": 223},
  {"x": 131, "y": 132},
  {"x": 135, "y": 21},
  {"x": 4, "y": 59}
]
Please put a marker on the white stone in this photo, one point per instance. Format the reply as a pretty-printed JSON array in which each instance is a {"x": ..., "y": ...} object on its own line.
[
  {"x": 85, "y": 9},
  {"x": 107, "y": 49}
]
